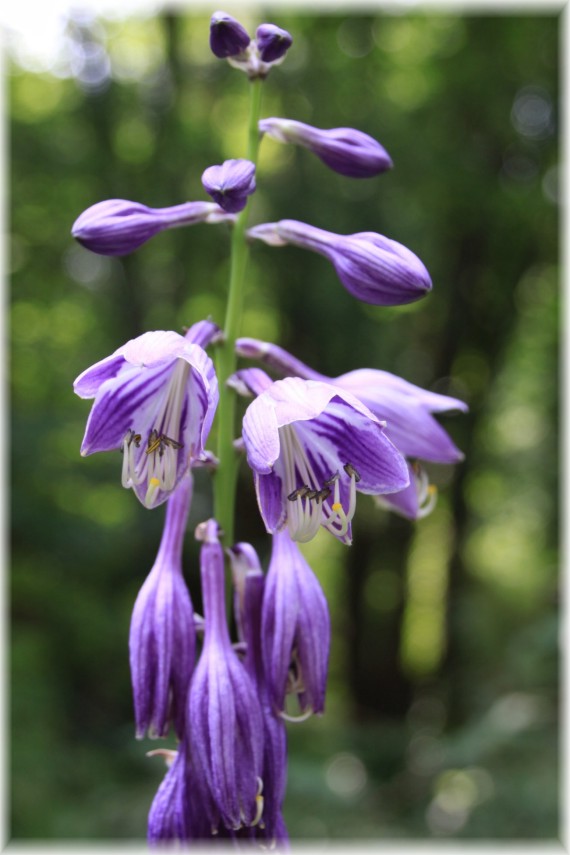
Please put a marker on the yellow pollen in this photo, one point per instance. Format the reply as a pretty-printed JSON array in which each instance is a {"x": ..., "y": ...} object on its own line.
[
  {"x": 337, "y": 506},
  {"x": 154, "y": 482}
]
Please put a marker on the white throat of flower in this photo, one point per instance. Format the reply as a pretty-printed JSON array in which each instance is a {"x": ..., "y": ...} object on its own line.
[
  {"x": 158, "y": 465},
  {"x": 308, "y": 501}
]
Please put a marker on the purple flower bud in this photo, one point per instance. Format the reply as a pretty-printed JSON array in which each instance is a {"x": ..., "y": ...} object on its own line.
[
  {"x": 371, "y": 267},
  {"x": 169, "y": 816},
  {"x": 345, "y": 150},
  {"x": 249, "y": 585},
  {"x": 227, "y": 36},
  {"x": 117, "y": 227},
  {"x": 230, "y": 183},
  {"x": 162, "y": 638},
  {"x": 224, "y": 722},
  {"x": 295, "y": 629},
  {"x": 272, "y": 42}
]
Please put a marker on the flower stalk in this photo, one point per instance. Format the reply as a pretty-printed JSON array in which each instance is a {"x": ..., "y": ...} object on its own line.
[{"x": 226, "y": 358}]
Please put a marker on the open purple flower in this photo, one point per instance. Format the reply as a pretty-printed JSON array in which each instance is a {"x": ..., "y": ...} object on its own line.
[
  {"x": 230, "y": 183},
  {"x": 155, "y": 399},
  {"x": 117, "y": 226},
  {"x": 407, "y": 410},
  {"x": 227, "y": 36},
  {"x": 345, "y": 150},
  {"x": 371, "y": 267},
  {"x": 272, "y": 42},
  {"x": 162, "y": 638},
  {"x": 224, "y": 722},
  {"x": 295, "y": 630},
  {"x": 249, "y": 586},
  {"x": 311, "y": 447}
]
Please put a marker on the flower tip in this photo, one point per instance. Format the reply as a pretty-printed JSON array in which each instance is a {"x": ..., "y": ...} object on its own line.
[
  {"x": 272, "y": 42},
  {"x": 227, "y": 36}
]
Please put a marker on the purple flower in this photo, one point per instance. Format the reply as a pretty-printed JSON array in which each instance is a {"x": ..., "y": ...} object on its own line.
[
  {"x": 117, "y": 227},
  {"x": 227, "y": 36},
  {"x": 346, "y": 150},
  {"x": 371, "y": 267},
  {"x": 155, "y": 398},
  {"x": 169, "y": 816},
  {"x": 224, "y": 723},
  {"x": 249, "y": 586},
  {"x": 230, "y": 183},
  {"x": 311, "y": 447},
  {"x": 407, "y": 410},
  {"x": 295, "y": 630},
  {"x": 162, "y": 639},
  {"x": 272, "y": 42}
]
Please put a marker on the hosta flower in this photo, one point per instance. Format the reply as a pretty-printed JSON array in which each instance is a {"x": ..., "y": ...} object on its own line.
[
  {"x": 249, "y": 586},
  {"x": 155, "y": 399},
  {"x": 227, "y": 36},
  {"x": 169, "y": 816},
  {"x": 345, "y": 150},
  {"x": 224, "y": 723},
  {"x": 272, "y": 42},
  {"x": 407, "y": 410},
  {"x": 117, "y": 226},
  {"x": 371, "y": 267},
  {"x": 311, "y": 447},
  {"x": 162, "y": 638},
  {"x": 230, "y": 183},
  {"x": 295, "y": 629}
]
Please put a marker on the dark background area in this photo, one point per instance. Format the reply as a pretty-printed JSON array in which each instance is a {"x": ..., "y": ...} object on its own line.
[{"x": 442, "y": 718}]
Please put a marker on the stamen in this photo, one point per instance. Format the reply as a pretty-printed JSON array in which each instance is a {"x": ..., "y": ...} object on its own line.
[
  {"x": 259, "y": 803},
  {"x": 296, "y": 718},
  {"x": 350, "y": 471},
  {"x": 153, "y": 486}
]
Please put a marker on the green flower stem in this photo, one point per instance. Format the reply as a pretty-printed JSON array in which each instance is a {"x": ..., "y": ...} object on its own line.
[{"x": 226, "y": 361}]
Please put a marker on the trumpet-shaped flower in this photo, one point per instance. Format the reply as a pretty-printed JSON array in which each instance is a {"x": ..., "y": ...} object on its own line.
[
  {"x": 371, "y": 267},
  {"x": 118, "y": 227},
  {"x": 295, "y": 630},
  {"x": 155, "y": 399},
  {"x": 249, "y": 587},
  {"x": 224, "y": 723},
  {"x": 311, "y": 446},
  {"x": 406, "y": 409},
  {"x": 230, "y": 183},
  {"x": 344, "y": 150},
  {"x": 162, "y": 638}
]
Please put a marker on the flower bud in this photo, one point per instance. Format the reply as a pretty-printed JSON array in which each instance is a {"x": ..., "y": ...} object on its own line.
[
  {"x": 345, "y": 150},
  {"x": 117, "y": 226},
  {"x": 227, "y": 36},
  {"x": 272, "y": 42},
  {"x": 371, "y": 267},
  {"x": 162, "y": 636},
  {"x": 230, "y": 183}
]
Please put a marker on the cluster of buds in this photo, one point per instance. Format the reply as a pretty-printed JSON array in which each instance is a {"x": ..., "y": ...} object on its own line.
[{"x": 312, "y": 442}]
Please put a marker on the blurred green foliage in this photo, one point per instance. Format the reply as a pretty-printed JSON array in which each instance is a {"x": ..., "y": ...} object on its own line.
[{"x": 442, "y": 716}]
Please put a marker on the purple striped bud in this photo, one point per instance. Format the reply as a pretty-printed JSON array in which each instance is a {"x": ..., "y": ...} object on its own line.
[
  {"x": 371, "y": 267},
  {"x": 224, "y": 722},
  {"x": 230, "y": 183},
  {"x": 162, "y": 637},
  {"x": 272, "y": 42},
  {"x": 345, "y": 150},
  {"x": 169, "y": 816},
  {"x": 117, "y": 226},
  {"x": 249, "y": 586},
  {"x": 227, "y": 36},
  {"x": 295, "y": 629}
]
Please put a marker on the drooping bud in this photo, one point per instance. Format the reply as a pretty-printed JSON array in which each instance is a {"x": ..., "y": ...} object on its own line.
[
  {"x": 227, "y": 36},
  {"x": 272, "y": 42},
  {"x": 224, "y": 723},
  {"x": 118, "y": 227},
  {"x": 295, "y": 629},
  {"x": 371, "y": 267},
  {"x": 230, "y": 183},
  {"x": 345, "y": 150},
  {"x": 162, "y": 636}
]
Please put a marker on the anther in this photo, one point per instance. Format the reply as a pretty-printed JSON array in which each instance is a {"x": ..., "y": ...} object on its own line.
[
  {"x": 323, "y": 494},
  {"x": 330, "y": 481},
  {"x": 351, "y": 471}
]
